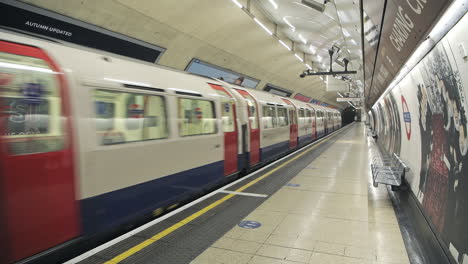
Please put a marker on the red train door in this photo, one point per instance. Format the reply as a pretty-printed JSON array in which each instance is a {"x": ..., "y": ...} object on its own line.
[
  {"x": 292, "y": 125},
  {"x": 253, "y": 126},
  {"x": 39, "y": 207},
  {"x": 228, "y": 110}
]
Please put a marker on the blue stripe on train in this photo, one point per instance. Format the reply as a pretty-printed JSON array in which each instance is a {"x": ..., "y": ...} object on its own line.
[
  {"x": 304, "y": 140},
  {"x": 273, "y": 151},
  {"x": 320, "y": 133},
  {"x": 121, "y": 206}
]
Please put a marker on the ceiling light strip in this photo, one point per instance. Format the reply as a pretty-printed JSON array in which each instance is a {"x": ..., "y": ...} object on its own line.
[
  {"x": 237, "y": 3},
  {"x": 263, "y": 26},
  {"x": 298, "y": 57},
  {"x": 284, "y": 44},
  {"x": 289, "y": 24},
  {"x": 302, "y": 39},
  {"x": 274, "y": 4}
]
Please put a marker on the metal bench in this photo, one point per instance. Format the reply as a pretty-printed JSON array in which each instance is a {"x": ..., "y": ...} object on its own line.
[{"x": 388, "y": 170}]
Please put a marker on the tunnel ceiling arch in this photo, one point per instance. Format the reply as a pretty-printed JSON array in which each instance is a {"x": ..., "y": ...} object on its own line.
[{"x": 221, "y": 33}]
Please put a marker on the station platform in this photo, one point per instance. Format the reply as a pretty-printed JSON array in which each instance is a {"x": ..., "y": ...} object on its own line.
[{"x": 316, "y": 205}]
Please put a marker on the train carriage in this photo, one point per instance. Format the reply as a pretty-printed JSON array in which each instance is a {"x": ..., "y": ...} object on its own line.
[
  {"x": 91, "y": 141},
  {"x": 305, "y": 123},
  {"x": 320, "y": 119}
]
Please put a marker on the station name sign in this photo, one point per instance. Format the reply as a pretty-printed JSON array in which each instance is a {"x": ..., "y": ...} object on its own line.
[
  {"x": 406, "y": 24},
  {"x": 18, "y": 16}
]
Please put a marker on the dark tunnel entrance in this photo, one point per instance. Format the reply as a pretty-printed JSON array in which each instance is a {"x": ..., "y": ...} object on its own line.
[{"x": 348, "y": 115}]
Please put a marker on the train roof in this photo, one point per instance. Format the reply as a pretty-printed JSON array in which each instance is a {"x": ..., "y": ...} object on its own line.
[{"x": 92, "y": 67}]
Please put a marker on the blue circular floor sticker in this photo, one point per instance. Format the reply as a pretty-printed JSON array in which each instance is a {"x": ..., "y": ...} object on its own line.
[
  {"x": 250, "y": 224},
  {"x": 293, "y": 185}
]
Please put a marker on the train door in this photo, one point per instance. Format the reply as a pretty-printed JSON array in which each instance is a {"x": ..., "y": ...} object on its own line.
[
  {"x": 36, "y": 153},
  {"x": 319, "y": 123},
  {"x": 229, "y": 116},
  {"x": 252, "y": 110},
  {"x": 325, "y": 121},
  {"x": 314, "y": 123},
  {"x": 313, "y": 114},
  {"x": 292, "y": 125}
]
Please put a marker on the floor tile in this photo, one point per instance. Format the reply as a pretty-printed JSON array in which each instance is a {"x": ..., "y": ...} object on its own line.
[{"x": 273, "y": 252}]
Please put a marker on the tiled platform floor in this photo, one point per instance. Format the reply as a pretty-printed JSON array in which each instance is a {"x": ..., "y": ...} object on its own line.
[{"x": 333, "y": 216}]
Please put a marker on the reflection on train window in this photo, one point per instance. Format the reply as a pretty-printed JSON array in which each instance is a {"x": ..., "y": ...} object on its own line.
[
  {"x": 31, "y": 105},
  {"x": 283, "y": 116},
  {"x": 128, "y": 117},
  {"x": 309, "y": 116},
  {"x": 227, "y": 111},
  {"x": 105, "y": 112},
  {"x": 302, "y": 119},
  {"x": 196, "y": 117},
  {"x": 269, "y": 116}
]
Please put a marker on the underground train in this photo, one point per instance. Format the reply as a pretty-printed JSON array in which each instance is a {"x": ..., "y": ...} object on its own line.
[{"x": 90, "y": 142}]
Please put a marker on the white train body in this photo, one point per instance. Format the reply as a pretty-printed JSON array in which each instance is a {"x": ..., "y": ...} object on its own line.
[{"x": 136, "y": 137}]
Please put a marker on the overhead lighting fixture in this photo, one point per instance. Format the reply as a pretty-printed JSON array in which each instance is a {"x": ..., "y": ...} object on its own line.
[
  {"x": 340, "y": 94},
  {"x": 314, "y": 5},
  {"x": 284, "y": 44},
  {"x": 346, "y": 33},
  {"x": 274, "y": 4},
  {"x": 449, "y": 18},
  {"x": 263, "y": 26},
  {"x": 308, "y": 66},
  {"x": 319, "y": 59},
  {"x": 312, "y": 49},
  {"x": 237, "y": 3},
  {"x": 298, "y": 57},
  {"x": 293, "y": 28},
  {"x": 302, "y": 39}
]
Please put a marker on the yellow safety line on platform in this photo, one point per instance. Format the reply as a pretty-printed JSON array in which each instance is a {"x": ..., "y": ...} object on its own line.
[{"x": 194, "y": 216}]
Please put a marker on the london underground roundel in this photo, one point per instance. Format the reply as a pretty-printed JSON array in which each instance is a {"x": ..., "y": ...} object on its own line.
[{"x": 406, "y": 117}]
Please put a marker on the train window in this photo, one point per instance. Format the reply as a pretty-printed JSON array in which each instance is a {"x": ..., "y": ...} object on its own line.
[
  {"x": 30, "y": 100},
  {"x": 128, "y": 117},
  {"x": 227, "y": 111},
  {"x": 312, "y": 114},
  {"x": 302, "y": 117},
  {"x": 283, "y": 116},
  {"x": 196, "y": 117},
  {"x": 309, "y": 116},
  {"x": 269, "y": 116}
]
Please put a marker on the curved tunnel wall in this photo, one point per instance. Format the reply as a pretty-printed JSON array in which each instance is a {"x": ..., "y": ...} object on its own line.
[{"x": 424, "y": 120}]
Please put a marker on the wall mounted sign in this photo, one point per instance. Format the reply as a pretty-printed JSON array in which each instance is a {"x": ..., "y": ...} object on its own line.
[{"x": 22, "y": 17}]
